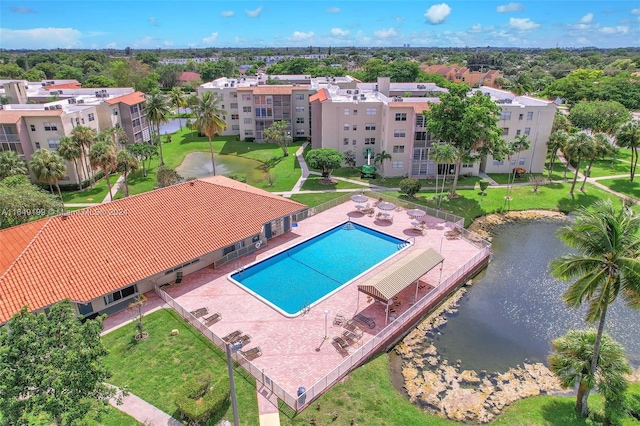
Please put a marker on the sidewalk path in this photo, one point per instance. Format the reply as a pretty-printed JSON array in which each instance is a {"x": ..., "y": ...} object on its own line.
[
  {"x": 143, "y": 412},
  {"x": 114, "y": 189}
]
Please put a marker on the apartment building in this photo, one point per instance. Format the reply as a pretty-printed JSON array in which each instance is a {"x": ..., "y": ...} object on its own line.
[
  {"x": 458, "y": 74},
  {"x": 126, "y": 111}
]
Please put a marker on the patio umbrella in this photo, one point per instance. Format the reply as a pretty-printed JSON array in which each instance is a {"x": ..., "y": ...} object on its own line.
[
  {"x": 359, "y": 198},
  {"x": 384, "y": 205},
  {"x": 416, "y": 213}
]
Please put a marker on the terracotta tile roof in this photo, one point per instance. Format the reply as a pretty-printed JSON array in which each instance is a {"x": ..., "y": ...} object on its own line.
[
  {"x": 321, "y": 96},
  {"x": 98, "y": 250},
  {"x": 272, "y": 89},
  {"x": 128, "y": 99},
  {"x": 75, "y": 85},
  {"x": 189, "y": 76},
  {"x": 418, "y": 107},
  {"x": 14, "y": 115}
]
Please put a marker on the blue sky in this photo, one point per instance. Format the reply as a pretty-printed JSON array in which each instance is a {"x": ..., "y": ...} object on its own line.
[{"x": 272, "y": 23}]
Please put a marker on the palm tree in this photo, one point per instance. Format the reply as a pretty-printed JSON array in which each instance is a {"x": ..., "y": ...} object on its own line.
[
  {"x": 557, "y": 140},
  {"x": 521, "y": 84},
  {"x": 71, "y": 151},
  {"x": 126, "y": 163},
  {"x": 605, "y": 264},
  {"x": 446, "y": 154},
  {"x": 48, "y": 166},
  {"x": 628, "y": 136},
  {"x": 519, "y": 144},
  {"x": 380, "y": 158},
  {"x": 117, "y": 136},
  {"x": 157, "y": 112},
  {"x": 177, "y": 100},
  {"x": 11, "y": 164},
  {"x": 102, "y": 155},
  {"x": 571, "y": 363},
  {"x": 578, "y": 146},
  {"x": 84, "y": 137},
  {"x": 601, "y": 149},
  {"x": 209, "y": 120}
]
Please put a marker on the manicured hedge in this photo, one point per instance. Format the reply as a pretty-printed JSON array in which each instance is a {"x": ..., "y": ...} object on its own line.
[{"x": 199, "y": 398}]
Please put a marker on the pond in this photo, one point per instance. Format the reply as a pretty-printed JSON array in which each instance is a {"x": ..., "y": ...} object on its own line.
[
  {"x": 514, "y": 307},
  {"x": 198, "y": 164},
  {"x": 172, "y": 125}
]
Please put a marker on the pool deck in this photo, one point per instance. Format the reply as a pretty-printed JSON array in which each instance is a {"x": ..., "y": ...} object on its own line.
[{"x": 290, "y": 355}]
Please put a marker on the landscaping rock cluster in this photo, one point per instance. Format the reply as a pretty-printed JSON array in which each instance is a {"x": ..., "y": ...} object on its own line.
[{"x": 485, "y": 225}]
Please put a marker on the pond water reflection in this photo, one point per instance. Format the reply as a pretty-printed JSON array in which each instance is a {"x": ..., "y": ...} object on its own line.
[{"x": 198, "y": 164}]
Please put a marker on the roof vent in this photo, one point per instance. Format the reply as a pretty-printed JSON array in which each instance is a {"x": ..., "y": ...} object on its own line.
[
  {"x": 65, "y": 215},
  {"x": 192, "y": 183}
]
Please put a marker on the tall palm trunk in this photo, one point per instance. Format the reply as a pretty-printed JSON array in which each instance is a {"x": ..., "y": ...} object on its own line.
[
  {"x": 455, "y": 176},
  {"x": 634, "y": 163},
  {"x": 582, "y": 398},
  {"x": 160, "y": 144},
  {"x": 213, "y": 161},
  {"x": 575, "y": 175},
  {"x": 144, "y": 169},
  {"x": 586, "y": 175},
  {"x": 55, "y": 182},
  {"x": 552, "y": 162},
  {"x": 126, "y": 184},
  {"x": 75, "y": 164},
  {"x": 106, "y": 175}
]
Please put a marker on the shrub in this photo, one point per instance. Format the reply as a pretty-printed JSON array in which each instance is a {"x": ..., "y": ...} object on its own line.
[
  {"x": 410, "y": 186},
  {"x": 484, "y": 184},
  {"x": 198, "y": 399},
  {"x": 240, "y": 177}
]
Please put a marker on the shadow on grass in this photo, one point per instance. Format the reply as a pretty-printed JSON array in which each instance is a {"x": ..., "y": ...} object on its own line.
[
  {"x": 579, "y": 199},
  {"x": 561, "y": 413},
  {"x": 625, "y": 186}
]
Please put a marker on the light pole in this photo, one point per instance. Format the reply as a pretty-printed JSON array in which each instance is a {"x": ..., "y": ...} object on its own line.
[
  {"x": 235, "y": 348},
  {"x": 326, "y": 316}
]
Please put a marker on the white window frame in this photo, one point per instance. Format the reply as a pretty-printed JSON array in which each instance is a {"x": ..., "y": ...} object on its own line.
[
  {"x": 370, "y": 126},
  {"x": 399, "y": 133},
  {"x": 397, "y": 164},
  {"x": 371, "y": 111},
  {"x": 401, "y": 116},
  {"x": 505, "y": 115},
  {"x": 398, "y": 149}
]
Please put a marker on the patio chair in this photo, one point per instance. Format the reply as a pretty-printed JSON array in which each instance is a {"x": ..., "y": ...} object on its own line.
[
  {"x": 419, "y": 228},
  {"x": 367, "y": 209},
  {"x": 200, "y": 312},
  {"x": 339, "y": 319},
  {"x": 229, "y": 338},
  {"x": 245, "y": 339},
  {"x": 369, "y": 322},
  {"x": 341, "y": 344},
  {"x": 252, "y": 353},
  {"x": 352, "y": 327},
  {"x": 212, "y": 319}
]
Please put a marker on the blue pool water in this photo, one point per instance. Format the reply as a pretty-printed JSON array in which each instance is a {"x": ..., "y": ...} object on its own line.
[{"x": 306, "y": 273}]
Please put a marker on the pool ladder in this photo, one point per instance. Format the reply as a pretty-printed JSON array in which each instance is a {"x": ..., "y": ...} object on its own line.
[
  {"x": 239, "y": 267},
  {"x": 405, "y": 243},
  {"x": 348, "y": 226}
]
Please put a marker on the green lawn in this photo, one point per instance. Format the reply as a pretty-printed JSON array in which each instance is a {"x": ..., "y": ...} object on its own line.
[
  {"x": 368, "y": 397},
  {"x": 471, "y": 204},
  {"x": 115, "y": 417},
  {"x": 313, "y": 200},
  {"x": 155, "y": 368},
  {"x": 608, "y": 167},
  {"x": 95, "y": 194},
  {"x": 624, "y": 186},
  {"x": 312, "y": 183},
  {"x": 185, "y": 141}
]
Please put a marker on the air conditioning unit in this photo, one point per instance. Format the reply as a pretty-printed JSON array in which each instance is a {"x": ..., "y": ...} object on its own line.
[
  {"x": 362, "y": 96},
  {"x": 355, "y": 97},
  {"x": 46, "y": 108},
  {"x": 356, "y": 91},
  {"x": 71, "y": 101},
  {"x": 80, "y": 101},
  {"x": 59, "y": 92},
  {"x": 58, "y": 106},
  {"x": 226, "y": 85},
  {"x": 348, "y": 92}
]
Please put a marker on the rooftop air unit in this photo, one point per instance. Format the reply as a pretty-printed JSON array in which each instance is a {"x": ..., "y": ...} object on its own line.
[
  {"x": 58, "y": 106},
  {"x": 226, "y": 85},
  {"x": 71, "y": 100},
  {"x": 80, "y": 101},
  {"x": 46, "y": 108},
  {"x": 348, "y": 92},
  {"x": 355, "y": 98},
  {"x": 356, "y": 91}
]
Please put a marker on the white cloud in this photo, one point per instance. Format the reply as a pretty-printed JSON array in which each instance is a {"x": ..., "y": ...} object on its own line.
[
  {"x": 586, "y": 19},
  {"x": 635, "y": 11},
  {"x": 333, "y": 10},
  {"x": 583, "y": 40},
  {"x": 253, "y": 13},
  {"x": 612, "y": 30},
  {"x": 510, "y": 7},
  {"x": 24, "y": 9},
  {"x": 153, "y": 21},
  {"x": 339, "y": 32},
  {"x": 523, "y": 24},
  {"x": 385, "y": 33},
  {"x": 168, "y": 43},
  {"x": 300, "y": 36},
  {"x": 211, "y": 39},
  {"x": 227, "y": 13},
  {"x": 40, "y": 38},
  {"x": 475, "y": 28},
  {"x": 437, "y": 13}
]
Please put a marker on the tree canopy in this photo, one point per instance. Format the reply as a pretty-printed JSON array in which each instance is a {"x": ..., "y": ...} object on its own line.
[
  {"x": 280, "y": 134},
  {"x": 52, "y": 364},
  {"x": 599, "y": 116},
  {"x": 325, "y": 160},
  {"x": 22, "y": 201}
]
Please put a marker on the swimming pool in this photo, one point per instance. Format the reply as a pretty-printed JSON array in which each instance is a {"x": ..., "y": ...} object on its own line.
[{"x": 307, "y": 273}]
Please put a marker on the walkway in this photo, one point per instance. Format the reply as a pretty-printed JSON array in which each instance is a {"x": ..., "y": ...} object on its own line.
[{"x": 142, "y": 411}]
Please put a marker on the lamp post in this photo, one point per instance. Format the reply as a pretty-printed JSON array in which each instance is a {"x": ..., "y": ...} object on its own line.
[
  {"x": 326, "y": 316},
  {"x": 233, "y": 348}
]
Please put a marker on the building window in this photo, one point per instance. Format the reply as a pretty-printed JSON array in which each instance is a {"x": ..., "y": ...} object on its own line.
[
  {"x": 498, "y": 163},
  {"x": 120, "y": 294},
  {"x": 33, "y": 128},
  {"x": 520, "y": 117},
  {"x": 401, "y": 116},
  {"x": 521, "y": 161},
  {"x": 354, "y": 142},
  {"x": 505, "y": 131},
  {"x": 506, "y": 115},
  {"x": 234, "y": 105},
  {"x": 114, "y": 111},
  {"x": 345, "y": 141},
  {"x": 419, "y": 120},
  {"x": 397, "y": 164},
  {"x": 355, "y": 127},
  {"x": 370, "y": 126},
  {"x": 355, "y": 112},
  {"x": 346, "y": 111},
  {"x": 300, "y": 120},
  {"x": 467, "y": 165},
  {"x": 299, "y": 109},
  {"x": 371, "y": 111},
  {"x": 248, "y": 132},
  {"x": 50, "y": 127},
  {"x": 399, "y": 133},
  {"x": 246, "y": 98},
  {"x": 346, "y": 126},
  {"x": 369, "y": 141},
  {"x": 91, "y": 117},
  {"x": 248, "y": 120},
  {"x": 530, "y": 115},
  {"x": 527, "y": 130},
  {"x": 235, "y": 116},
  {"x": 246, "y": 109},
  {"x": 37, "y": 145},
  {"x": 398, "y": 149},
  {"x": 518, "y": 132},
  {"x": 300, "y": 132},
  {"x": 54, "y": 143},
  {"x": 235, "y": 127},
  {"x": 299, "y": 97}
]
